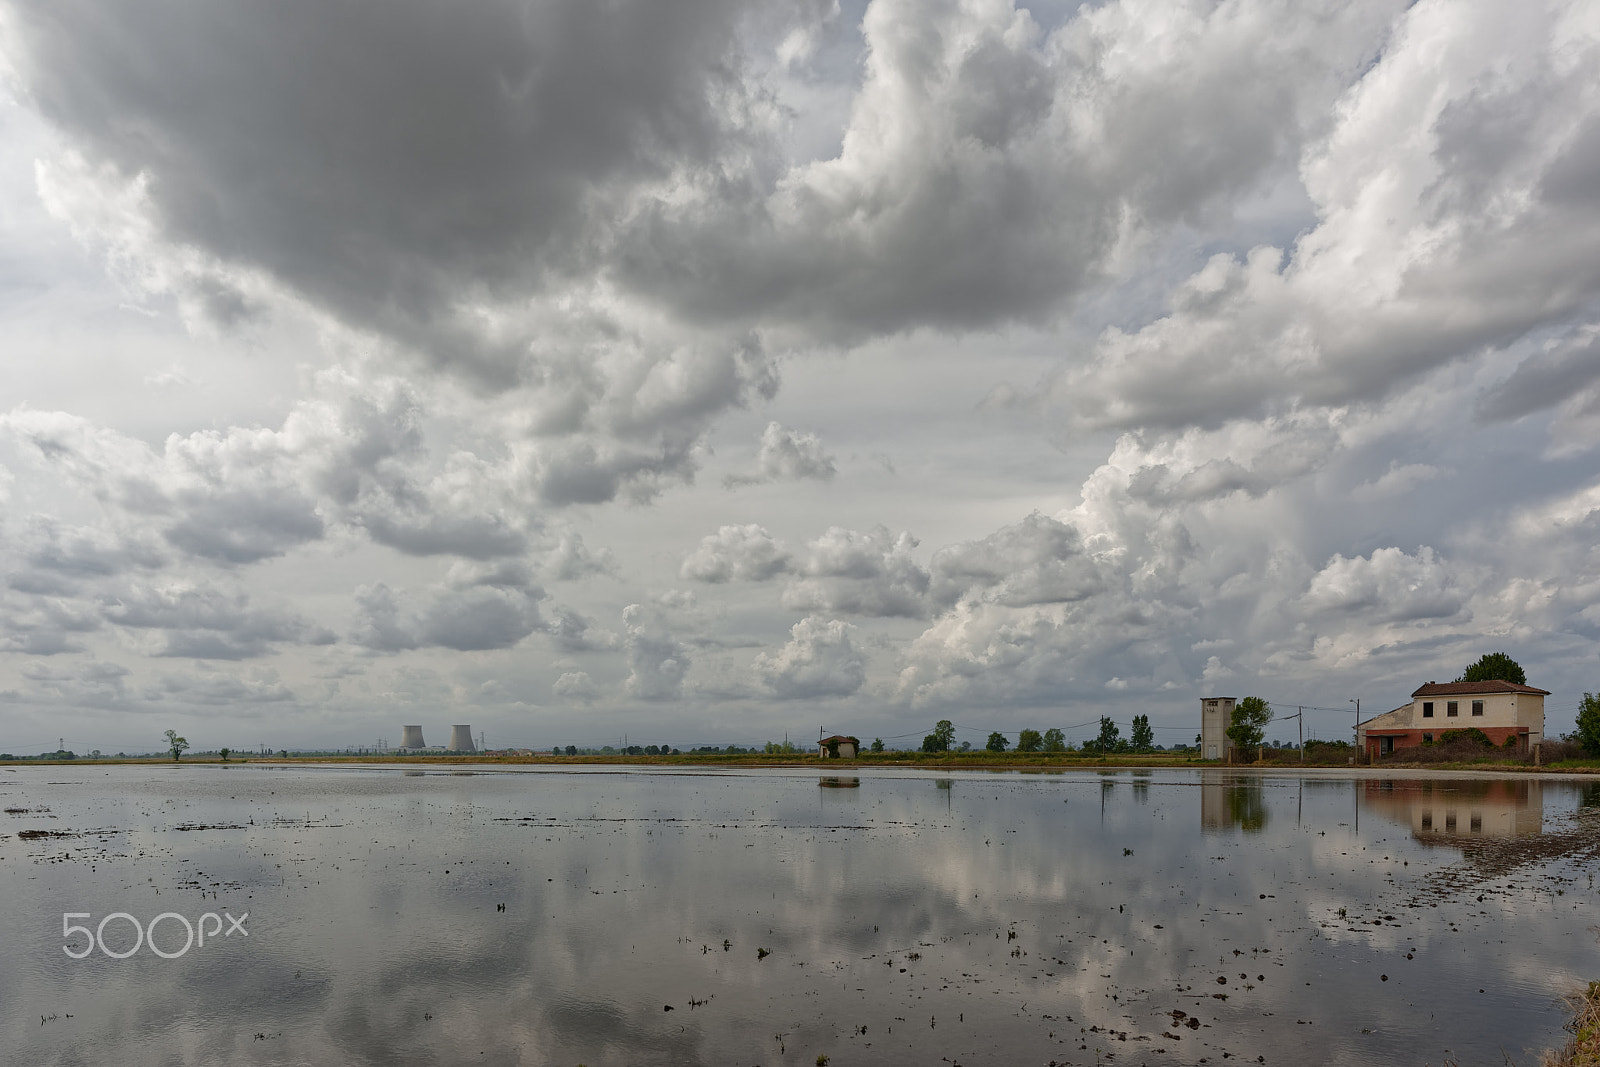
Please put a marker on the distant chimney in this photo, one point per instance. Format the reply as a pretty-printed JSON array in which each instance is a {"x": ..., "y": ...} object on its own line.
[
  {"x": 411, "y": 737},
  {"x": 461, "y": 739}
]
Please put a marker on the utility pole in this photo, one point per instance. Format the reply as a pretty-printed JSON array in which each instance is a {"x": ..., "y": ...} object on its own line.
[{"x": 1356, "y": 741}]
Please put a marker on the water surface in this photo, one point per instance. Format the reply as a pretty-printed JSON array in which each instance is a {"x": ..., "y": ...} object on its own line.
[{"x": 615, "y": 916}]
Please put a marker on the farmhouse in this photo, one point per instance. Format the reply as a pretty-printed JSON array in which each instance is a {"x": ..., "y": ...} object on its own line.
[
  {"x": 1502, "y": 710},
  {"x": 838, "y": 747}
]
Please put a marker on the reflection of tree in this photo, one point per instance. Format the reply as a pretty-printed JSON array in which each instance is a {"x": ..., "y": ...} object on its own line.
[
  {"x": 1141, "y": 786},
  {"x": 1247, "y": 806}
]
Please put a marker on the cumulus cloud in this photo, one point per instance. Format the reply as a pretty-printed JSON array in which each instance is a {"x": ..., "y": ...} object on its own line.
[
  {"x": 736, "y": 553},
  {"x": 571, "y": 631},
  {"x": 990, "y": 171},
  {"x": 818, "y": 661},
  {"x": 475, "y": 609},
  {"x": 1039, "y": 560},
  {"x": 787, "y": 456},
  {"x": 849, "y": 572},
  {"x": 657, "y": 661},
  {"x": 1428, "y": 246},
  {"x": 1389, "y": 584},
  {"x": 572, "y": 560},
  {"x": 576, "y": 686}
]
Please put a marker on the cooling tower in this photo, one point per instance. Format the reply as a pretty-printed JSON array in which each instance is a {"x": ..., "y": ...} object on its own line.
[
  {"x": 411, "y": 737},
  {"x": 461, "y": 739}
]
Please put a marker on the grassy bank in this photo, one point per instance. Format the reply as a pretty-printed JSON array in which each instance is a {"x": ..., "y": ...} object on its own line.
[
  {"x": 1584, "y": 1048},
  {"x": 1019, "y": 761}
]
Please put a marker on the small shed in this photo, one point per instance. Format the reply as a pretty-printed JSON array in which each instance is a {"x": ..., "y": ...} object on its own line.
[{"x": 838, "y": 747}]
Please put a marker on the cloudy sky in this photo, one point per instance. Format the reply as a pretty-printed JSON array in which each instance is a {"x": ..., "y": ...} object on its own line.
[{"x": 713, "y": 371}]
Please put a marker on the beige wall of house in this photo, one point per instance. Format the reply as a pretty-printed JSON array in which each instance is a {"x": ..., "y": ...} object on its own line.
[
  {"x": 1215, "y": 715},
  {"x": 1499, "y": 710}
]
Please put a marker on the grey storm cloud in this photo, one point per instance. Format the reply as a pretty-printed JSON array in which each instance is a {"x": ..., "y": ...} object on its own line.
[
  {"x": 207, "y": 623},
  {"x": 476, "y": 608},
  {"x": 391, "y": 162},
  {"x": 990, "y": 171},
  {"x": 1548, "y": 378},
  {"x": 416, "y": 305}
]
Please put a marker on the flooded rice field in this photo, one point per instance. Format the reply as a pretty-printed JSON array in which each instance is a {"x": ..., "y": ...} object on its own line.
[{"x": 315, "y": 915}]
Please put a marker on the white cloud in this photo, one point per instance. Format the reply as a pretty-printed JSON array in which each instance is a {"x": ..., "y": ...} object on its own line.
[
  {"x": 787, "y": 456},
  {"x": 736, "y": 553},
  {"x": 819, "y": 661}
]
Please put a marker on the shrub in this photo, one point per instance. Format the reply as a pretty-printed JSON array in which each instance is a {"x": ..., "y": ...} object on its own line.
[{"x": 1470, "y": 733}]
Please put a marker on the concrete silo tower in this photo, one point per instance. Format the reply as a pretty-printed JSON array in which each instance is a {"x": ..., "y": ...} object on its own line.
[
  {"x": 461, "y": 739},
  {"x": 411, "y": 737}
]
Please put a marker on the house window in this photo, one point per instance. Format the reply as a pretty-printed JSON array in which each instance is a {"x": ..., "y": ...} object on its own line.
[
  {"x": 1427, "y": 820},
  {"x": 1477, "y": 707},
  {"x": 1450, "y": 709},
  {"x": 1477, "y": 822},
  {"x": 1427, "y": 739},
  {"x": 1427, "y": 709},
  {"x": 1450, "y": 822}
]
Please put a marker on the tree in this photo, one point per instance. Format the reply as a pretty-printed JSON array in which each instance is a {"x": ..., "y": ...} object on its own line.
[
  {"x": 1144, "y": 738},
  {"x": 1055, "y": 740},
  {"x": 1249, "y": 726},
  {"x": 225, "y": 752},
  {"x": 1030, "y": 741},
  {"x": 1494, "y": 666},
  {"x": 175, "y": 744},
  {"x": 1589, "y": 723},
  {"x": 944, "y": 732},
  {"x": 877, "y": 744},
  {"x": 997, "y": 742},
  {"x": 1110, "y": 739}
]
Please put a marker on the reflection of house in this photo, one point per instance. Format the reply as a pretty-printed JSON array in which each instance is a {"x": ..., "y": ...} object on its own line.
[
  {"x": 1501, "y": 710},
  {"x": 838, "y": 747},
  {"x": 1216, "y": 714},
  {"x": 1458, "y": 807}
]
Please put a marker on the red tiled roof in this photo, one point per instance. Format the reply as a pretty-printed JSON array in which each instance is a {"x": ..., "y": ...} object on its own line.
[
  {"x": 839, "y": 739},
  {"x": 1457, "y": 689}
]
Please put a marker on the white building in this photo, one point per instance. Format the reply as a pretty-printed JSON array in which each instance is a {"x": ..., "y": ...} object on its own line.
[{"x": 1216, "y": 714}]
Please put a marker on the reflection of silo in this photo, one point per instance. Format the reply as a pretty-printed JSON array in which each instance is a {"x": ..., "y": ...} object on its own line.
[
  {"x": 411, "y": 737},
  {"x": 461, "y": 739}
]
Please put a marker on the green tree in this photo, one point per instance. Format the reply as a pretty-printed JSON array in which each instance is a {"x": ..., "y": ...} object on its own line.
[
  {"x": 175, "y": 744},
  {"x": 1144, "y": 738},
  {"x": 877, "y": 744},
  {"x": 1110, "y": 739},
  {"x": 997, "y": 742},
  {"x": 1494, "y": 666},
  {"x": 225, "y": 752},
  {"x": 1030, "y": 741},
  {"x": 1249, "y": 726},
  {"x": 1589, "y": 723},
  {"x": 1055, "y": 740},
  {"x": 944, "y": 732}
]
